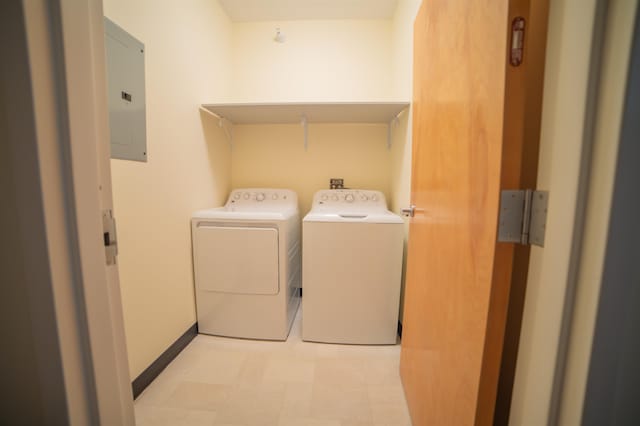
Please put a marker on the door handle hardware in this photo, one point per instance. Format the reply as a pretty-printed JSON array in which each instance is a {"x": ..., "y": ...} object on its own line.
[{"x": 409, "y": 211}]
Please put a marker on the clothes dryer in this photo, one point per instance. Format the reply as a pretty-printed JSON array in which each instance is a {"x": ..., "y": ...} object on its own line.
[{"x": 247, "y": 259}]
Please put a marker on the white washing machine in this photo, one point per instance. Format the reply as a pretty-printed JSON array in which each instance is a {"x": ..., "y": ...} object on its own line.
[
  {"x": 351, "y": 268},
  {"x": 246, "y": 258}
]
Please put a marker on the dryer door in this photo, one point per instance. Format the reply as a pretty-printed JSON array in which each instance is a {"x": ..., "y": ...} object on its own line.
[{"x": 239, "y": 260}]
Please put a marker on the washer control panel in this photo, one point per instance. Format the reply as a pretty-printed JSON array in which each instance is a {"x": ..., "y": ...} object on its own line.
[
  {"x": 344, "y": 198},
  {"x": 261, "y": 198}
]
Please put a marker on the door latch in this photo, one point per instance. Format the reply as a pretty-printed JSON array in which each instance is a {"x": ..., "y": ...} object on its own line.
[
  {"x": 109, "y": 237},
  {"x": 409, "y": 211},
  {"x": 523, "y": 216}
]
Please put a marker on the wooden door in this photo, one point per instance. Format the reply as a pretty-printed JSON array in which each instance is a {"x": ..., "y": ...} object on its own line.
[{"x": 475, "y": 131}]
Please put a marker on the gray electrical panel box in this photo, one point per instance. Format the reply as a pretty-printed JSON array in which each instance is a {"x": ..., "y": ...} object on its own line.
[{"x": 125, "y": 76}]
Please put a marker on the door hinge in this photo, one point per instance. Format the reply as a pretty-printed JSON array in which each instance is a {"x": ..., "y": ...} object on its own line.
[
  {"x": 523, "y": 216},
  {"x": 109, "y": 236}
]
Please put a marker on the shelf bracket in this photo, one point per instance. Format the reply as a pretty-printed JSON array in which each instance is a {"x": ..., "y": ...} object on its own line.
[
  {"x": 305, "y": 127},
  {"x": 390, "y": 126},
  {"x": 228, "y": 129},
  {"x": 394, "y": 122}
]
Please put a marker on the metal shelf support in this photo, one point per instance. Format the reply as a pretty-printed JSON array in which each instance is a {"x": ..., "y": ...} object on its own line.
[
  {"x": 305, "y": 128},
  {"x": 225, "y": 124}
]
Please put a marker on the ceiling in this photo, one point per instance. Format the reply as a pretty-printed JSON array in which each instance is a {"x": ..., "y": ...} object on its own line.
[{"x": 286, "y": 10}]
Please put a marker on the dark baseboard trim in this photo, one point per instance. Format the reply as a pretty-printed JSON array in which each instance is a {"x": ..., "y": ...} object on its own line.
[
  {"x": 399, "y": 329},
  {"x": 151, "y": 372}
]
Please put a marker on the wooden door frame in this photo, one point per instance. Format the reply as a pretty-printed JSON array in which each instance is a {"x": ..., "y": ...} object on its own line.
[
  {"x": 521, "y": 135},
  {"x": 522, "y": 122},
  {"x": 63, "y": 128}
]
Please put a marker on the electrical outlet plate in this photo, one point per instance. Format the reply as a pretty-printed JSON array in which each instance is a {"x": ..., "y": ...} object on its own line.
[{"x": 336, "y": 183}]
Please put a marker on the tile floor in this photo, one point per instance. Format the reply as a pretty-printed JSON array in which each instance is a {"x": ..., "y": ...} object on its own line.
[{"x": 233, "y": 382}]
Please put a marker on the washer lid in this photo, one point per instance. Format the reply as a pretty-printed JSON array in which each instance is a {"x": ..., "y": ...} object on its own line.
[
  {"x": 351, "y": 205},
  {"x": 353, "y": 217}
]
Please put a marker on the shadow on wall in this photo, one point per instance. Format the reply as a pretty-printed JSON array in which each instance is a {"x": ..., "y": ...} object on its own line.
[{"x": 219, "y": 153}]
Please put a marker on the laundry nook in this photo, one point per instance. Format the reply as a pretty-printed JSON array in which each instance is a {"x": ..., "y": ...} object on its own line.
[
  {"x": 285, "y": 151},
  {"x": 319, "y": 213}
]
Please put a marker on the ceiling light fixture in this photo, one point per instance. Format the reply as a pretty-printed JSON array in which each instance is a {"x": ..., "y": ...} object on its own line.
[{"x": 279, "y": 36}]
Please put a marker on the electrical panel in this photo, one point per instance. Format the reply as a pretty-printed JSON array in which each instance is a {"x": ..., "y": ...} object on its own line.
[{"x": 125, "y": 77}]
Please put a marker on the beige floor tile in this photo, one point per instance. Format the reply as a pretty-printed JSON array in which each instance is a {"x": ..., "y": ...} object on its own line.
[
  {"x": 380, "y": 394},
  {"x": 162, "y": 416},
  {"x": 341, "y": 402},
  {"x": 199, "y": 396},
  {"x": 388, "y": 405},
  {"x": 355, "y": 423},
  {"x": 217, "y": 367},
  {"x": 159, "y": 391},
  {"x": 307, "y": 421},
  {"x": 357, "y": 351},
  {"x": 297, "y": 400},
  {"x": 253, "y": 368},
  {"x": 381, "y": 371},
  {"x": 340, "y": 371},
  {"x": 235, "y": 382},
  {"x": 387, "y": 414},
  {"x": 256, "y": 405},
  {"x": 289, "y": 369}
]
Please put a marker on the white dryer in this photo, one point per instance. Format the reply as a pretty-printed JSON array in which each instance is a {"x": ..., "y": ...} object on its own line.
[
  {"x": 246, "y": 258},
  {"x": 351, "y": 268}
]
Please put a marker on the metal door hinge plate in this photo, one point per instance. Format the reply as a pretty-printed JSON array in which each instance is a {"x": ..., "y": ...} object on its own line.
[
  {"x": 523, "y": 216},
  {"x": 109, "y": 237}
]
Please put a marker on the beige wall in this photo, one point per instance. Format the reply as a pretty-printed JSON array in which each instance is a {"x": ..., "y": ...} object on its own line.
[
  {"x": 346, "y": 60},
  {"x": 402, "y": 87},
  {"x": 188, "y": 52},
  {"x": 274, "y": 156}
]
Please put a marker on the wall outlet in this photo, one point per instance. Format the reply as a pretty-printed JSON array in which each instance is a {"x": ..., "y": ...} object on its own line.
[{"x": 336, "y": 183}]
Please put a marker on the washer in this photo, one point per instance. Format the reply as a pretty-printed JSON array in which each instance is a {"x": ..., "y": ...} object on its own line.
[
  {"x": 246, "y": 258},
  {"x": 351, "y": 268}
]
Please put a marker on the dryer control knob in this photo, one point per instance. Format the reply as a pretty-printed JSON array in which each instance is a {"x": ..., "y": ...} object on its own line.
[
  {"x": 324, "y": 197},
  {"x": 334, "y": 197},
  {"x": 236, "y": 196},
  {"x": 260, "y": 196},
  {"x": 247, "y": 195},
  {"x": 349, "y": 198},
  {"x": 363, "y": 197},
  {"x": 374, "y": 197},
  {"x": 274, "y": 196}
]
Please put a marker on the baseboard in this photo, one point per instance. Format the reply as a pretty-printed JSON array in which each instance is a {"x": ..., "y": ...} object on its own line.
[
  {"x": 151, "y": 372},
  {"x": 399, "y": 329}
]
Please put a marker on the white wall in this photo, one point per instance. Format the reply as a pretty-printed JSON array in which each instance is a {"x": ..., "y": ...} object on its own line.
[
  {"x": 188, "y": 57},
  {"x": 344, "y": 60}
]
